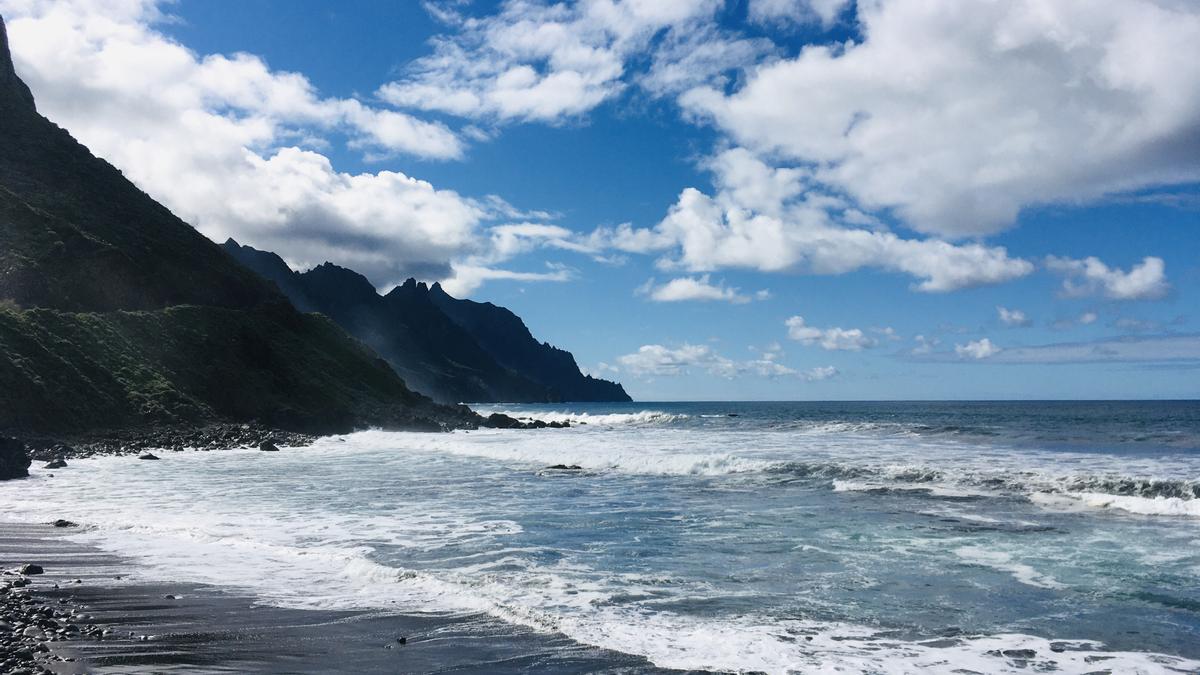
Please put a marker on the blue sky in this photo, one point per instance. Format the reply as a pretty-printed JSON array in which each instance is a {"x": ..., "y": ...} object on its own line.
[{"x": 704, "y": 199}]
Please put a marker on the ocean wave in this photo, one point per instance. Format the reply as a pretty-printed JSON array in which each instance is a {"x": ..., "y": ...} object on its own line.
[
  {"x": 348, "y": 578},
  {"x": 1145, "y": 506},
  {"x": 660, "y": 455},
  {"x": 641, "y": 417}
]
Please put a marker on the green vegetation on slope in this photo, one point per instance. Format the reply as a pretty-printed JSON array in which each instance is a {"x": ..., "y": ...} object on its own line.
[{"x": 76, "y": 371}]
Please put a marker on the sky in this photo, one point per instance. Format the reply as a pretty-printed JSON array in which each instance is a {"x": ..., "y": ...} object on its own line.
[{"x": 702, "y": 199}]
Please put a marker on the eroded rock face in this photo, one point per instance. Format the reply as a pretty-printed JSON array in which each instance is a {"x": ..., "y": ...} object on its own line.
[{"x": 14, "y": 462}]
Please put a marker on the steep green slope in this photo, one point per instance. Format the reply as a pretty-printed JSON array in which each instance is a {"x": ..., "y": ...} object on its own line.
[
  {"x": 77, "y": 371},
  {"x": 114, "y": 313}
]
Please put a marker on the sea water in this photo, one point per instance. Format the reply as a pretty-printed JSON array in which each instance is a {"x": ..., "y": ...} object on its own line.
[{"x": 776, "y": 537}]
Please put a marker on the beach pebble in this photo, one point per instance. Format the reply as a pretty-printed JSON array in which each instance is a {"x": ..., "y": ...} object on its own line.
[{"x": 30, "y": 568}]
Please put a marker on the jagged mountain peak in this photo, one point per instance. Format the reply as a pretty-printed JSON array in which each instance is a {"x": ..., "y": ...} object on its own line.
[{"x": 12, "y": 89}]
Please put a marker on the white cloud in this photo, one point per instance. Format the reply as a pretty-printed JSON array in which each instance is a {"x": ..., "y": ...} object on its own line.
[
  {"x": 852, "y": 339},
  {"x": 1090, "y": 276},
  {"x": 1088, "y": 318},
  {"x": 233, "y": 147},
  {"x": 539, "y": 61},
  {"x": 660, "y": 360},
  {"x": 956, "y": 115},
  {"x": 466, "y": 277},
  {"x": 819, "y": 373},
  {"x": 774, "y": 219},
  {"x": 602, "y": 369},
  {"x": 1012, "y": 317},
  {"x": 795, "y": 11},
  {"x": 925, "y": 345},
  {"x": 693, "y": 288},
  {"x": 977, "y": 349}
]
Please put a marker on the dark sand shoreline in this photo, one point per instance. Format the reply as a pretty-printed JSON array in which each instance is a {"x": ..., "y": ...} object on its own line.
[{"x": 192, "y": 628}]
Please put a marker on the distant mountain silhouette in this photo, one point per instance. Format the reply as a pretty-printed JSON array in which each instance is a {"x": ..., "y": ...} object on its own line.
[
  {"x": 114, "y": 313},
  {"x": 452, "y": 350}
]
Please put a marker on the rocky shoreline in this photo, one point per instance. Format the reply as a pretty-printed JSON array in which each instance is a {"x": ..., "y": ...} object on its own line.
[
  {"x": 93, "y": 612},
  {"x": 219, "y": 436},
  {"x": 32, "y": 625},
  {"x": 17, "y": 453}
]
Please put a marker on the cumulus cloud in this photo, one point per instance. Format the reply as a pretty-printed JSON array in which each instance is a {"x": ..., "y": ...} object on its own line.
[
  {"x": 695, "y": 288},
  {"x": 852, "y": 339},
  {"x": 659, "y": 360},
  {"x": 1088, "y": 318},
  {"x": 819, "y": 373},
  {"x": 541, "y": 61},
  {"x": 1012, "y": 317},
  {"x": 235, "y": 148},
  {"x": 795, "y": 11},
  {"x": 977, "y": 349},
  {"x": 466, "y": 277},
  {"x": 955, "y": 116},
  {"x": 1090, "y": 276},
  {"x": 776, "y": 219}
]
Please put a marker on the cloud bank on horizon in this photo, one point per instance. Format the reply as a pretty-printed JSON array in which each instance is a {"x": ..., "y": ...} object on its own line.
[{"x": 884, "y": 137}]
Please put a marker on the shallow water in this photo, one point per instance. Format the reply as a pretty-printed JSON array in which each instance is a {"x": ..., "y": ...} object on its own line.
[{"x": 876, "y": 537}]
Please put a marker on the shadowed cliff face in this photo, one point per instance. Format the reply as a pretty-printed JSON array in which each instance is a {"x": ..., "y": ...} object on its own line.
[
  {"x": 115, "y": 313},
  {"x": 13, "y": 91},
  {"x": 452, "y": 350},
  {"x": 80, "y": 237}
]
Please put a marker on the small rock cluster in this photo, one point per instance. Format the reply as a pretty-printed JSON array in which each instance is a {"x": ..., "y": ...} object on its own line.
[
  {"x": 28, "y": 624},
  {"x": 502, "y": 421}
]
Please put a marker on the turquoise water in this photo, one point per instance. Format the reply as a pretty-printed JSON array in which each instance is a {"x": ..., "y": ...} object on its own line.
[{"x": 858, "y": 537}]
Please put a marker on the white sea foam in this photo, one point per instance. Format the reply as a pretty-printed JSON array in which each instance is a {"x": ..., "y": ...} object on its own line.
[
  {"x": 1146, "y": 506},
  {"x": 641, "y": 417},
  {"x": 1003, "y": 562},
  {"x": 329, "y": 577}
]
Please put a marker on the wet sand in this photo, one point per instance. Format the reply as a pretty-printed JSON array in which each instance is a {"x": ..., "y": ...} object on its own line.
[{"x": 190, "y": 628}]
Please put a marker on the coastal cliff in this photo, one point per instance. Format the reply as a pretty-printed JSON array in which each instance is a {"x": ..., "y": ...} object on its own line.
[
  {"x": 449, "y": 349},
  {"x": 114, "y": 313}
]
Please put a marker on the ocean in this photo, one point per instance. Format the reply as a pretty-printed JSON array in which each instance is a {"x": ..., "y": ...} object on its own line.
[{"x": 877, "y": 537}]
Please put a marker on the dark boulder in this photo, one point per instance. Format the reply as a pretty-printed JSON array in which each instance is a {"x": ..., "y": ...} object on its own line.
[
  {"x": 63, "y": 523},
  {"x": 565, "y": 467},
  {"x": 502, "y": 421},
  {"x": 30, "y": 569},
  {"x": 148, "y": 455},
  {"x": 268, "y": 446},
  {"x": 56, "y": 463},
  {"x": 14, "y": 462}
]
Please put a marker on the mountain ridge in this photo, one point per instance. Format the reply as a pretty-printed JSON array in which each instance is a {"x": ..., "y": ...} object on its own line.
[{"x": 443, "y": 347}]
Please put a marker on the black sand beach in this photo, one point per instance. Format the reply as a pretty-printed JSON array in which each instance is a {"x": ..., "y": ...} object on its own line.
[{"x": 188, "y": 628}]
